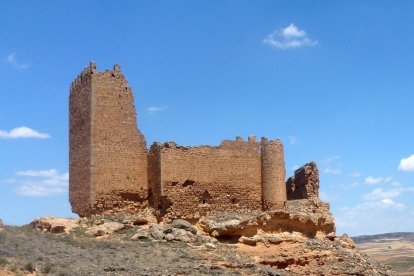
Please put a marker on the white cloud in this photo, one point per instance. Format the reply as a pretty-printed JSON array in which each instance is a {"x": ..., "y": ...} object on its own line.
[
  {"x": 379, "y": 194},
  {"x": 407, "y": 164},
  {"x": 22, "y": 132},
  {"x": 11, "y": 59},
  {"x": 371, "y": 180},
  {"x": 289, "y": 37},
  {"x": 374, "y": 217},
  {"x": 349, "y": 186},
  {"x": 42, "y": 182},
  {"x": 331, "y": 159},
  {"x": 396, "y": 184},
  {"x": 155, "y": 109},
  {"x": 330, "y": 170},
  {"x": 355, "y": 174},
  {"x": 292, "y": 140},
  {"x": 330, "y": 165},
  {"x": 327, "y": 196}
]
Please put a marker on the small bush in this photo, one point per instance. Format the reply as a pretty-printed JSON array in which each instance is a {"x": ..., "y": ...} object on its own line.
[
  {"x": 29, "y": 267},
  {"x": 3, "y": 261},
  {"x": 47, "y": 268}
]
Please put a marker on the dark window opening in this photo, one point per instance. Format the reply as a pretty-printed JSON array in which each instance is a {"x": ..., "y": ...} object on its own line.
[{"x": 188, "y": 183}]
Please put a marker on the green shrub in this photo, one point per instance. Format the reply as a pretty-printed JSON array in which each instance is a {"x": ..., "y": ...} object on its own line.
[
  {"x": 29, "y": 267},
  {"x": 3, "y": 261},
  {"x": 47, "y": 268}
]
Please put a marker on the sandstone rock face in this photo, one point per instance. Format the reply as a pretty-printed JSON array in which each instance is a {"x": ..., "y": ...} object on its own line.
[
  {"x": 298, "y": 240},
  {"x": 185, "y": 225},
  {"x": 299, "y": 255},
  {"x": 346, "y": 241},
  {"x": 144, "y": 217},
  {"x": 304, "y": 184},
  {"x": 179, "y": 230},
  {"x": 106, "y": 228},
  {"x": 55, "y": 225},
  {"x": 310, "y": 217}
]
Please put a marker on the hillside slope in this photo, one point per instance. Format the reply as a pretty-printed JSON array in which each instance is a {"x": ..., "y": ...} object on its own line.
[{"x": 394, "y": 249}]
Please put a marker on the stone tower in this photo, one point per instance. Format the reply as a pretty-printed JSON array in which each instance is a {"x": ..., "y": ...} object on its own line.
[
  {"x": 273, "y": 174},
  {"x": 108, "y": 154}
]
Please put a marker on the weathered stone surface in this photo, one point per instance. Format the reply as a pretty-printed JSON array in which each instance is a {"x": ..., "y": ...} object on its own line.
[
  {"x": 169, "y": 237},
  {"x": 106, "y": 228},
  {"x": 142, "y": 235},
  {"x": 143, "y": 217},
  {"x": 55, "y": 225},
  {"x": 305, "y": 183},
  {"x": 157, "y": 231},
  {"x": 299, "y": 255},
  {"x": 247, "y": 240},
  {"x": 183, "y": 235},
  {"x": 183, "y": 224},
  {"x": 310, "y": 217},
  {"x": 346, "y": 241}
]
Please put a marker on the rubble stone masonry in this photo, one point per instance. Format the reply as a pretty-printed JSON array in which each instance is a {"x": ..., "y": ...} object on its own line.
[
  {"x": 108, "y": 156},
  {"x": 204, "y": 179},
  {"x": 111, "y": 171},
  {"x": 305, "y": 183}
]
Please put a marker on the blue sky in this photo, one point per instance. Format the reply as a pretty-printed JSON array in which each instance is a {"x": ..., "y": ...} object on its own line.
[{"x": 333, "y": 80}]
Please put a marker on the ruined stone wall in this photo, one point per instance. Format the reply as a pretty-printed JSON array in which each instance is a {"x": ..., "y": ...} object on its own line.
[
  {"x": 119, "y": 154},
  {"x": 305, "y": 183},
  {"x": 113, "y": 173},
  {"x": 200, "y": 180},
  {"x": 79, "y": 142},
  {"x": 273, "y": 174}
]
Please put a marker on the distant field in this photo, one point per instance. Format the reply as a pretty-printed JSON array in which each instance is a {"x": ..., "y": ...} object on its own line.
[{"x": 395, "y": 249}]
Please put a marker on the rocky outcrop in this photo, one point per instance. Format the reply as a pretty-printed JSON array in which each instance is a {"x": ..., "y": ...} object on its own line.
[
  {"x": 185, "y": 225},
  {"x": 305, "y": 183},
  {"x": 309, "y": 217},
  {"x": 179, "y": 230},
  {"x": 106, "y": 228},
  {"x": 297, "y": 240},
  {"x": 55, "y": 225},
  {"x": 1, "y": 223},
  {"x": 298, "y": 255}
]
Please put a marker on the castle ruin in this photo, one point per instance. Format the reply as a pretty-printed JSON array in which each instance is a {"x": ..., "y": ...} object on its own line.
[{"x": 111, "y": 170}]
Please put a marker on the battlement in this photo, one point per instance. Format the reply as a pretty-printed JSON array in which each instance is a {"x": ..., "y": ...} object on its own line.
[
  {"x": 112, "y": 171},
  {"x": 84, "y": 77}
]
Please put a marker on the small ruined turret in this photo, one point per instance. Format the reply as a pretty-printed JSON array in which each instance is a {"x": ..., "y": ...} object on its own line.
[{"x": 305, "y": 183}]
